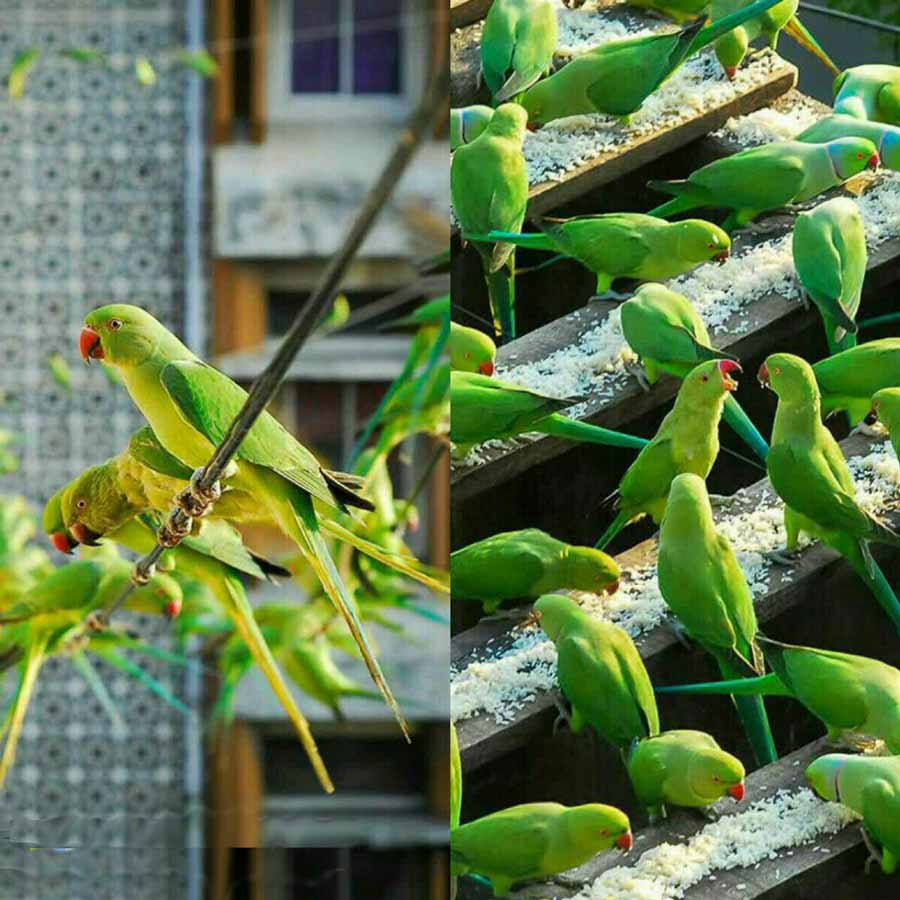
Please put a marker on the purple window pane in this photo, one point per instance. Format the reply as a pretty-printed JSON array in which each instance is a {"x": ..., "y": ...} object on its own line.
[
  {"x": 314, "y": 47},
  {"x": 377, "y": 46}
]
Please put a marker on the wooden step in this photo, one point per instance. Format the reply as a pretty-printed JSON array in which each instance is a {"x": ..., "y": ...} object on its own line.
[{"x": 465, "y": 12}]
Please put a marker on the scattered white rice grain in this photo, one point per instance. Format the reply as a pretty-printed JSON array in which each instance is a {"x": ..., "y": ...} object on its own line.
[{"x": 771, "y": 123}]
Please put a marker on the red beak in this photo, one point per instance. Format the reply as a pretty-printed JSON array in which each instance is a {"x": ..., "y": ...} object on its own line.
[
  {"x": 731, "y": 71},
  {"x": 721, "y": 257},
  {"x": 737, "y": 791},
  {"x": 873, "y": 162},
  {"x": 726, "y": 367},
  {"x": 61, "y": 541},
  {"x": 763, "y": 375},
  {"x": 89, "y": 344},
  {"x": 486, "y": 368},
  {"x": 531, "y": 126},
  {"x": 173, "y": 608},
  {"x": 611, "y": 588},
  {"x": 624, "y": 842}
]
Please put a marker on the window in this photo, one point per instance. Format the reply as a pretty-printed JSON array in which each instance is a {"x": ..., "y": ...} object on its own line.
[{"x": 346, "y": 56}]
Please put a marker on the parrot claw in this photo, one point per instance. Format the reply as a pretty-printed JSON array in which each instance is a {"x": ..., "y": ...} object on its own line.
[
  {"x": 707, "y": 813},
  {"x": 195, "y": 500},
  {"x": 804, "y": 296},
  {"x": 637, "y": 370},
  {"x": 782, "y": 557},
  {"x": 96, "y": 621},
  {"x": 876, "y": 430},
  {"x": 875, "y": 854},
  {"x": 564, "y": 718},
  {"x": 172, "y": 534},
  {"x": 717, "y": 501},
  {"x": 680, "y": 634},
  {"x": 612, "y": 296}
]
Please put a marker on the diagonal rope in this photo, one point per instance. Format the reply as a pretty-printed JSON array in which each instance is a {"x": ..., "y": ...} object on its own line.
[{"x": 432, "y": 106}]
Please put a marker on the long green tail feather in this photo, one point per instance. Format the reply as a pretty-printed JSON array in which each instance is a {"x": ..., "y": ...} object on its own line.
[
  {"x": 84, "y": 668},
  {"x": 743, "y": 426},
  {"x": 880, "y": 586},
  {"x": 129, "y": 667},
  {"x": 715, "y": 30},
  {"x": 34, "y": 659},
  {"x": 564, "y": 427},
  {"x": 798, "y": 31},
  {"x": 502, "y": 294},
  {"x": 752, "y": 713},
  {"x": 618, "y": 523},
  {"x": 671, "y": 207},
  {"x": 530, "y": 241},
  {"x": 763, "y": 685},
  {"x": 887, "y": 319}
]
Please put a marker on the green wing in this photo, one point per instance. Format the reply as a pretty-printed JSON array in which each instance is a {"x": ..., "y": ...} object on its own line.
[
  {"x": 818, "y": 261},
  {"x": 512, "y": 842},
  {"x": 69, "y": 587},
  {"x": 145, "y": 447},
  {"x": 862, "y": 371},
  {"x": 503, "y": 567},
  {"x": 637, "y": 679},
  {"x": 209, "y": 401},
  {"x": 737, "y": 597},
  {"x": 605, "y": 243},
  {"x": 881, "y": 813},
  {"x": 739, "y": 178},
  {"x": 650, "y": 475}
]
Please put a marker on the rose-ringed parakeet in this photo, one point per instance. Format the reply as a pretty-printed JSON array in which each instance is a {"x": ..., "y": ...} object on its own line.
[
  {"x": 517, "y": 45},
  {"x": 703, "y": 584},
  {"x": 487, "y": 409},
  {"x": 627, "y": 245},
  {"x": 768, "y": 177},
  {"x": 732, "y": 47},
  {"x": 190, "y": 406},
  {"x": 679, "y": 10},
  {"x": 870, "y": 786},
  {"x": 489, "y": 190},
  {"x": 851, "y": 695},
  {"x": 535, "y": 840},
  {"x": 886, "y": 409},
  {"x": 683, "y": 768},
  {"x": 55, "y": 610},
  {"x": 687, "y": 441},
  {"x": 808, "y": 471},
  {"x": 617, "y": 77},
  {"x": 522, "y": 565},
  {"x": 886, "y": 138},
  {"x": 669, "y": 336},
  {"x": 471, "y": 350},
  {"x": 830, "y": 256},
  {"x": 467, "y": 123},
  {"x": 848, "y": 379},
  {"x": 869, "y": 92}
]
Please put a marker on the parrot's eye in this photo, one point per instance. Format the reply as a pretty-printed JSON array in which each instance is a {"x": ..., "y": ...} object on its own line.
[
  {"x": 81, "y": 503},
  {"x": 875, "y": 404},
  {"x": 713, "y": 246},
  {"x": 704, "y": 378},
  {"x": 859, "y": 155},
  {"x": 716, "y": 779},
  {"x": 468, "y": 356},
  {"x": 115, "y": 324},
  {"x": 776, "y": 371}
]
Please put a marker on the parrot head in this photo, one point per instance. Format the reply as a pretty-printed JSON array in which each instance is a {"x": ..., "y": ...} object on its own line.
[
  {"x": 710, "y": 381},
  {"x": 509, "y": 121},
  {"x": 715, "y": 773},
  {"x": 699, "y": 241},
  {"x": 122, "y": 335},
  {"x": 731, "y": 49},
  {"x": 597, "y": 827},
  {"x": 791, "y": 377},
  {"x": 885, "y": 408},
  {"x": 471, "y": 350},
  {"x": 823, "y": 775},
  {"x": 850, "y": 156},
  {"x": 54, "y": 525},
  {"x": 162, "y": 595},
  {"x": 591, "y": 570},
  {"x": 688, "y": 506},
  {"x": 554, "y": 612},
  {"x": 93, "y": 504}
]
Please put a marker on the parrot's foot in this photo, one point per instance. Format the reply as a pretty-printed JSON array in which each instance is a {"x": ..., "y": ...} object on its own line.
[
  {"x": 804, "y": 294},
  {"x": 78, "y": 642},
  {"x": 564, "y": 717},
  {"x": 657, "y": 814},
  {"x": 875, "y": 854},
  {"x": 507, "y": 615},
  {"x": 707, "y": 813},
  {"x": 96, "y": 621},
  {"x": 680, "y": 633},
  {"x": 636, "y": 369},
  {"x": 875, "y": 430},
  {"x": 171, "y": 534},
  {"x": 782, "y": 556},
  {"x": 195, "y": 500},
  {"x": 762, "y": 227},
  {"x": 611, "y": 295},
  {"x": 719, "y": 500}
]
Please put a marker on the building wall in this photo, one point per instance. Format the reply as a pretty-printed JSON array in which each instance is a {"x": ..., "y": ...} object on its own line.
[{"x": 92, "y": 185}]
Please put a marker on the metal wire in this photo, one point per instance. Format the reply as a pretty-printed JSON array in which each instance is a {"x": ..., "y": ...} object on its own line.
[{"x": 432, "y": 106}]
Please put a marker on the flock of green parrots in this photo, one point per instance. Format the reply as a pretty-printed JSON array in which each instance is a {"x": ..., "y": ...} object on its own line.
[
  {"x": 348, "y": 529},
  {"x": 601, "y": 676}
]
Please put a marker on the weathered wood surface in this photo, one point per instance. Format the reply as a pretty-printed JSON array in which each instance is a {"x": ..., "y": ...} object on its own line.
[
  {"x": 772, "y": 321},
  {"x": 806, "y": 873},
  {"x": 482, "y": 741},
  {"x": 465, "y": 12}
]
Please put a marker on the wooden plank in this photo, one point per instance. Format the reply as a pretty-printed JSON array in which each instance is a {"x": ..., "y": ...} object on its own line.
[
  {"x": 223, "y": 85},
  {"x": 239, "y": 307},
  {"x": 770, "y": 320},
  {"x": 465, "y": 12},
  {"x": 482, "y": 741},
  {"x": 259, "y": 29}
]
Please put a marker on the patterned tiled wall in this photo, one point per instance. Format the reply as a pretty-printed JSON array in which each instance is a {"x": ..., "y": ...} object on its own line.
[{"x": 92, "y": 171}]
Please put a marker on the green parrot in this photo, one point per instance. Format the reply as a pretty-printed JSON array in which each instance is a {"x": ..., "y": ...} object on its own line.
[
  {"x": 489, "y": 190},
  {"x": 55, "y": 610},
  {"x": 666, "y": 332},
  {"x": 848, "y": 379},
  {"x": 190, "y": 406},
  {"x": 687, "y": 441},
  {"x": 487, "y": 409},
  {"x": 683, "y": 768},
  {"x": 886, "y": 138},
  {"x": 517, "y": 46},
  {"x": 94, "y": 505},
  {"x": 625, "y": 245},
  {"x": 535, "y": 840},
  {"x": 600, "y": 673},
  {"x": 830, "y": 256},
  {"x": 467, "y": 123},
  {"x": 471, "y": 350},
  {"x": 870, "y": 786},
  {"x": 518, "y": 565},
  {"x": 618, "y": 76},
  {"x": 850, "y": 695},
  {"x": 703, "y": 584},
  {"x": 869, "y": 92},
  {"x": 808, "y": 471},
  {"x": 767, "y": 177},
  {"x": 886, "y": 409},
  {"x": 456, "y": 781},
  {"x": 732, "y": 47},
  {"x": 679, "y": 10}
]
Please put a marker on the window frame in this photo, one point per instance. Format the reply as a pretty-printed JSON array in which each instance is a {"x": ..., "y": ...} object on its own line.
[{"x": 286, "y": 106}]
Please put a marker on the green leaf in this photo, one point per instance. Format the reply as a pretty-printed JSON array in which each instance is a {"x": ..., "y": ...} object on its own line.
[
  {"x": 18, "y": 74},
  {"x": 60, "y": 371},
  {"x": 200, "y": 61},
  {"x": 83, "y": 55},
  {"x": 146, "y": 74}
]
